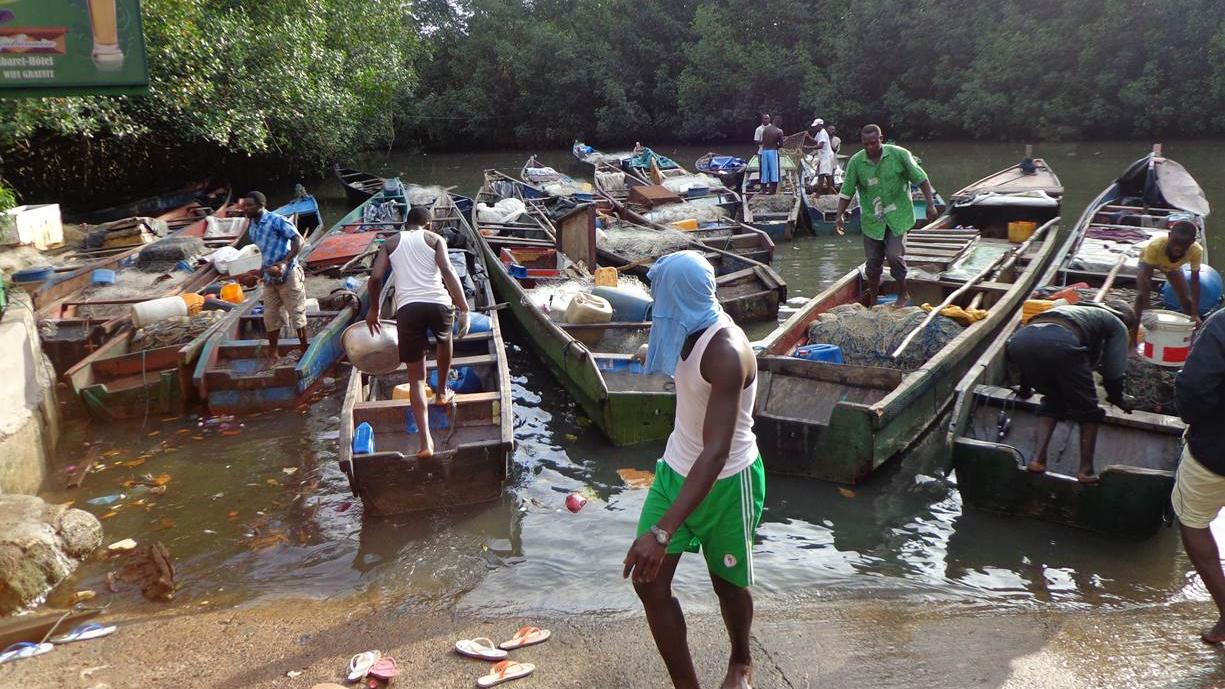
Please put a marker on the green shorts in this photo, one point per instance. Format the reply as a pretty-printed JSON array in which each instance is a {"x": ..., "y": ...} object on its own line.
[{"x": 722, "y": 525}]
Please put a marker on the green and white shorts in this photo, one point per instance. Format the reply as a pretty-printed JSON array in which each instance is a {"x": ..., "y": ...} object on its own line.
[{"x": 723, "y": 524}]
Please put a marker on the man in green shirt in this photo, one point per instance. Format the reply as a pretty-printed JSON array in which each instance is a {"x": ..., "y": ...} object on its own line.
[{"x": 882, "y": 174}]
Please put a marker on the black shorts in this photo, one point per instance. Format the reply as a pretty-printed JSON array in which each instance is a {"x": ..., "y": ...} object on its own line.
[
  {"x": 1052, "y": 361},
  {"x": 415, "y": 321}
]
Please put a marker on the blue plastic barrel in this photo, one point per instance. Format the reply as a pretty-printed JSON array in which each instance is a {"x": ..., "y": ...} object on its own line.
[
  {"x": 102, "y": 276},
  {"x": 628, "y": 306},
  {"x": 1210, "y": 290},
  {"x": 463, "y": 380},
  {"x": 477, "y": 323},
  {"x": 363, "y": 439},
  {"x": 831, "y": 354}
]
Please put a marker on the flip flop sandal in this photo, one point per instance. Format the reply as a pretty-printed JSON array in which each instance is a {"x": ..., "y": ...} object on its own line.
[
  {"x": 360, "y": 664},
  {"x": 84, "y": 632},
  {"x": 24, "y": 649},
  {"x": 527, "y": 636},
  {"x": 481, "y": 649},
  {"x": 505, "y": 671},
  {"x": 384, "y": 669}
]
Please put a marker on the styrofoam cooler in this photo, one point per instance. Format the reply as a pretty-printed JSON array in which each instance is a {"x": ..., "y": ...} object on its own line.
[
  {"x": 39, "y": 225},
  {"x": 249, "y": 259}
]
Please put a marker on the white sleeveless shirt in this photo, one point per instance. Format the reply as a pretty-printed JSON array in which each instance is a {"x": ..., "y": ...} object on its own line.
[
  {"x": 415, "y": 273},
  {"x": 692, "y": 397}
]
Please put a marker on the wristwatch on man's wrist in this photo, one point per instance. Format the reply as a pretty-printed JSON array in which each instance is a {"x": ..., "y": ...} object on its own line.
[{"x": 661, "y": 537}]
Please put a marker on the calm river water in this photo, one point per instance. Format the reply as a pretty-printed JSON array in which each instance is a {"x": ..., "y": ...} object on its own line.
[{"x": 263, "y": 510}]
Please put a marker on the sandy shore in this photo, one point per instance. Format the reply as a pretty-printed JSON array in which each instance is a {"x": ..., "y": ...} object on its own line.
[{"x": 838, "y": 644}]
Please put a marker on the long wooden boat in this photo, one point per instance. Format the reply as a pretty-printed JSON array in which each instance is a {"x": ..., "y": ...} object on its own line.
[
  {"x": 359, "y": 186},
  {"x": 304, "y": 211},
  {"x": 206, "y": 192},
  {"x": 121, "y": 380},
  {"x": 993, "y": 434},
  {"x": 778, "y": 214},
  {"x": 473, "y": 439},
  {"x": 75, "y": 318},
  {"x": 593, "y": 361},
  {"x": 842, "y": 422},
  {"x": 717, "y": 226},
  {"x": 586, "y": 154},
  {"x": 748, "y": 290}
]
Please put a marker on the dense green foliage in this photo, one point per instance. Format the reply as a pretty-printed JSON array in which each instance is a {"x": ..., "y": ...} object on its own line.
[
  {"x": 520, "y": 72},
  {"x": 283, "y": 82}
]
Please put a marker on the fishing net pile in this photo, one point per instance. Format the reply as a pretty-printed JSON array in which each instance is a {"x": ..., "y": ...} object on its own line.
[
  {"x": 771, "y": 203},
  {"x": 638, "y": 243},
  {"x": 826, "y": 203},
  {"x": 868, "y": 337},
  {"x": 681, "y": 184},
  {"x": 1151, "y": 385},
  {"x": 129, "y": 285},
  {"x": 673, "y": 212},
  {"x": 424, "y": 195},
  {"x": 566, "y": 187},
  {"x": 174, "y": 331},
  {"x": 623, "y": 341},
  {"x": 610, "y": 181},
  {"x": 553, "y": 297},
  {"x": 164, "y": 254},
  {"x": 321, "y": 287}
]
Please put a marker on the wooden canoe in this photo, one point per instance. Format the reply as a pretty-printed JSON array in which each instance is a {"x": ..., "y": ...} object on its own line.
[
  {"x": 206, "y": 192},
  {"x": 726, "y": 233},
  {"x": 993, "y": 433},
  {"x": 842, "y": 422},
  {"x": 73, "y": 323},
  {"x": 359, "y": 186},
  {"x": 781, "y": 224},
  {"x": 116, "y": 382},
  {"x": 472, "y": 451}
]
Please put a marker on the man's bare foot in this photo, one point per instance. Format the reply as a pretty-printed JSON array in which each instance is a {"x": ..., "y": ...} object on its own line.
[
  {"x": 444, "y": 398},
  {"x": 1036, "y": 467},
  {"x": 1086, "y": 477},
  {"x": 1215, "y": 635},
  {"x": 903, "y": 300},
  {"x": 739, "y": 676},
  {"x": 427, "y": 449}
]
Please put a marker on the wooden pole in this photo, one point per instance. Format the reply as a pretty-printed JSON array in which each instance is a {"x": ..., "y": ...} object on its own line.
[{"x": 1109, "y": 282}]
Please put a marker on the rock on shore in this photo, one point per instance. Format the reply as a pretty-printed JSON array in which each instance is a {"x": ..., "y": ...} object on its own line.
[{"x": 40, "y": 545}]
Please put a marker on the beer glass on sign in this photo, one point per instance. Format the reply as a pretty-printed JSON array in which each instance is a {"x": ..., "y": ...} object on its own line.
[{"x": 107, "y": 54}]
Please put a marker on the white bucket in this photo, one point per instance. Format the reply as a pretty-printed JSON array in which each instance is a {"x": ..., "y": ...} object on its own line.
[
  {"x": 1167, "y": 337},
  {"x": 248, "y": 259},
  {"x": 155, "y": 310}
]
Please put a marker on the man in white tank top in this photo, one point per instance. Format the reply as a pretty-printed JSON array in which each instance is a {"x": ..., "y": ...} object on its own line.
[
  {"x": 709, "y": 487},
  {"x": 427, "y": 293}
]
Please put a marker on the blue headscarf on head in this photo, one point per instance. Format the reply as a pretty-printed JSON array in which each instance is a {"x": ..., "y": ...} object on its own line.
[{"x": 683, "y": 285}]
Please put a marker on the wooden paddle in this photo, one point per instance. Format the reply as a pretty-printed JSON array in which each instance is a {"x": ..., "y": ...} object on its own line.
[
  {"x": 948, "y": 301},
  {"x": 1109, "y": 282}
]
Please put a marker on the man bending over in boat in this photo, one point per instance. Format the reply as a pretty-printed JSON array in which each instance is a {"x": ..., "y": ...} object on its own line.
[
  {"x": 1169, "y": 253},
  {"x": 882, "y": 174},
  {"x": 427, "y": 293},
  {"x": 1057, "y": 354},
  {"x": 1199, "y": 487},
  {"x": 710, "y": 485},
  {"x": 284, "y": 282}
]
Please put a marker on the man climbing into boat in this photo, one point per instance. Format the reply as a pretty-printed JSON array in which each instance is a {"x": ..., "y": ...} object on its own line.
[
  {"x": 825, "y": 156},
  {"x": 771, "y": 139},
  {"x": 710, "y": 485},
  {"x": 284, "y": 291},
  {"x": 1168, "y": 253},
  {"x": 1056, "y": 354},
  {"x": 427, "y": 295},
  {"x": 1199, "y": 487},
  {"x": 760, "y": 131},
  {"x": 882, "y": 174}
]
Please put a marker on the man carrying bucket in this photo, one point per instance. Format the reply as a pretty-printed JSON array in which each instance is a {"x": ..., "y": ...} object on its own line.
[
  {"x": 1056, "y": 353},
  {"x": 709, "y": 487},
  {"x": 428, "y": 294},
  {"x": 1168, "y": 253},
  {"x": 1199, "y": 487},
  {"x": 882, "y": 174}
]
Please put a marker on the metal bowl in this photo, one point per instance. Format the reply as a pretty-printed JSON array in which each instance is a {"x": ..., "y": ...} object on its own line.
[{"x": 376, "y": 354}]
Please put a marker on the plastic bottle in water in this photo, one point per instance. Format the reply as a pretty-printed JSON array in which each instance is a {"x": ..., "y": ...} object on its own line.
[{"x": 363, "y": 439}]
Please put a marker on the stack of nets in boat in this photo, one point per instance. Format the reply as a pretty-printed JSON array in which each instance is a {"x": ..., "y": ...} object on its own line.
[
  {"x": 868, "y": 337},
  {"x": 772, "y": 203},
  {"x": 637, "y": 243},
  {"x": 566, "y": 187},
  {"x": 129, "y": 285},
  {"x": 174, "y": 331},
  {"x": 320, "y": 286},
  {"x": 610, "y": 181},
  {"x": 1151, "y": 385},
  {"x": 681, "y": 184},
  {"x": 424, "y": 196},
  {"x": 164, "y": 254},
  {"x": 672, "y": 212},
  {"x": 826, "y": 203}
]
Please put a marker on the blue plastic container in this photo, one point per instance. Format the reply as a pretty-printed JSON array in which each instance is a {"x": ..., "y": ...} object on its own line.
[
  {"x": 477, "y": 323},
  {"x": 37, "y": 274},
  {"x": 830, "y": 354},
  {"x": 351, "y": 283},
  {"x": 185, "y": 266},
  {"x": 628, "y": 306},
  {"x": 518, "y": 272},
  {"x": 463, "y": 380},
  {"x": 363, "y": 439},
  {"x": 1210, "y": 290},
  {"x": 102, "y": 276}
]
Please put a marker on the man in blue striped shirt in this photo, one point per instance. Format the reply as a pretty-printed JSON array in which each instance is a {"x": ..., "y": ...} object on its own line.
[{"x": 284, "y": 282}]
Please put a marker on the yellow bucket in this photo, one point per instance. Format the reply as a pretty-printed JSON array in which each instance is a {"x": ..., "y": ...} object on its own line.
[
  {"x": 688, "y": 224},
  {"x": 193, "y": 301},
  {"x": 606, "y": 277},
  {"x": 1020, "y": 230},
  {"x": 232, "y": 293}
]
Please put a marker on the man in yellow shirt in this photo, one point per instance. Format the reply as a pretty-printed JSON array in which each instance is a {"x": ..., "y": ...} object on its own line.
[{"x": 1169, "y": 253}]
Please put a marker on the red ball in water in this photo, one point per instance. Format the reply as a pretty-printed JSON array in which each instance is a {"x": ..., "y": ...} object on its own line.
[{"x": 575, "y": 502}]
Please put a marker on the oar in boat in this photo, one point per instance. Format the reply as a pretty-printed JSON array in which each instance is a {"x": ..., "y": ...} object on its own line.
[{"x": 1109, "y": 282}]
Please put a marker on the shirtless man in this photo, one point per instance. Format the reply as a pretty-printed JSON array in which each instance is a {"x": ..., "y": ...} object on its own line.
[
  {"x": 771, "y": 139},
  {"x": 710, "y": 485}
]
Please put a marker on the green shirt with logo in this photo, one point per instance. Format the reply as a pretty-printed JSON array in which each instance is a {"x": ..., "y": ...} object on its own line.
[{"x": 884, "y": 190}]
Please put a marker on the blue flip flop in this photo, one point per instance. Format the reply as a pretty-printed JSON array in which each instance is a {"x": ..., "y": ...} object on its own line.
[
  {"x": 84, "y": 632},
  {"x": 24, "y": 649}
]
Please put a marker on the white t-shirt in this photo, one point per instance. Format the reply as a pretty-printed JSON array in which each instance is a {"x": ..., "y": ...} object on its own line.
[
  {"x": 758, "y": 135},
  {"x": 826, "y": 152}
]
